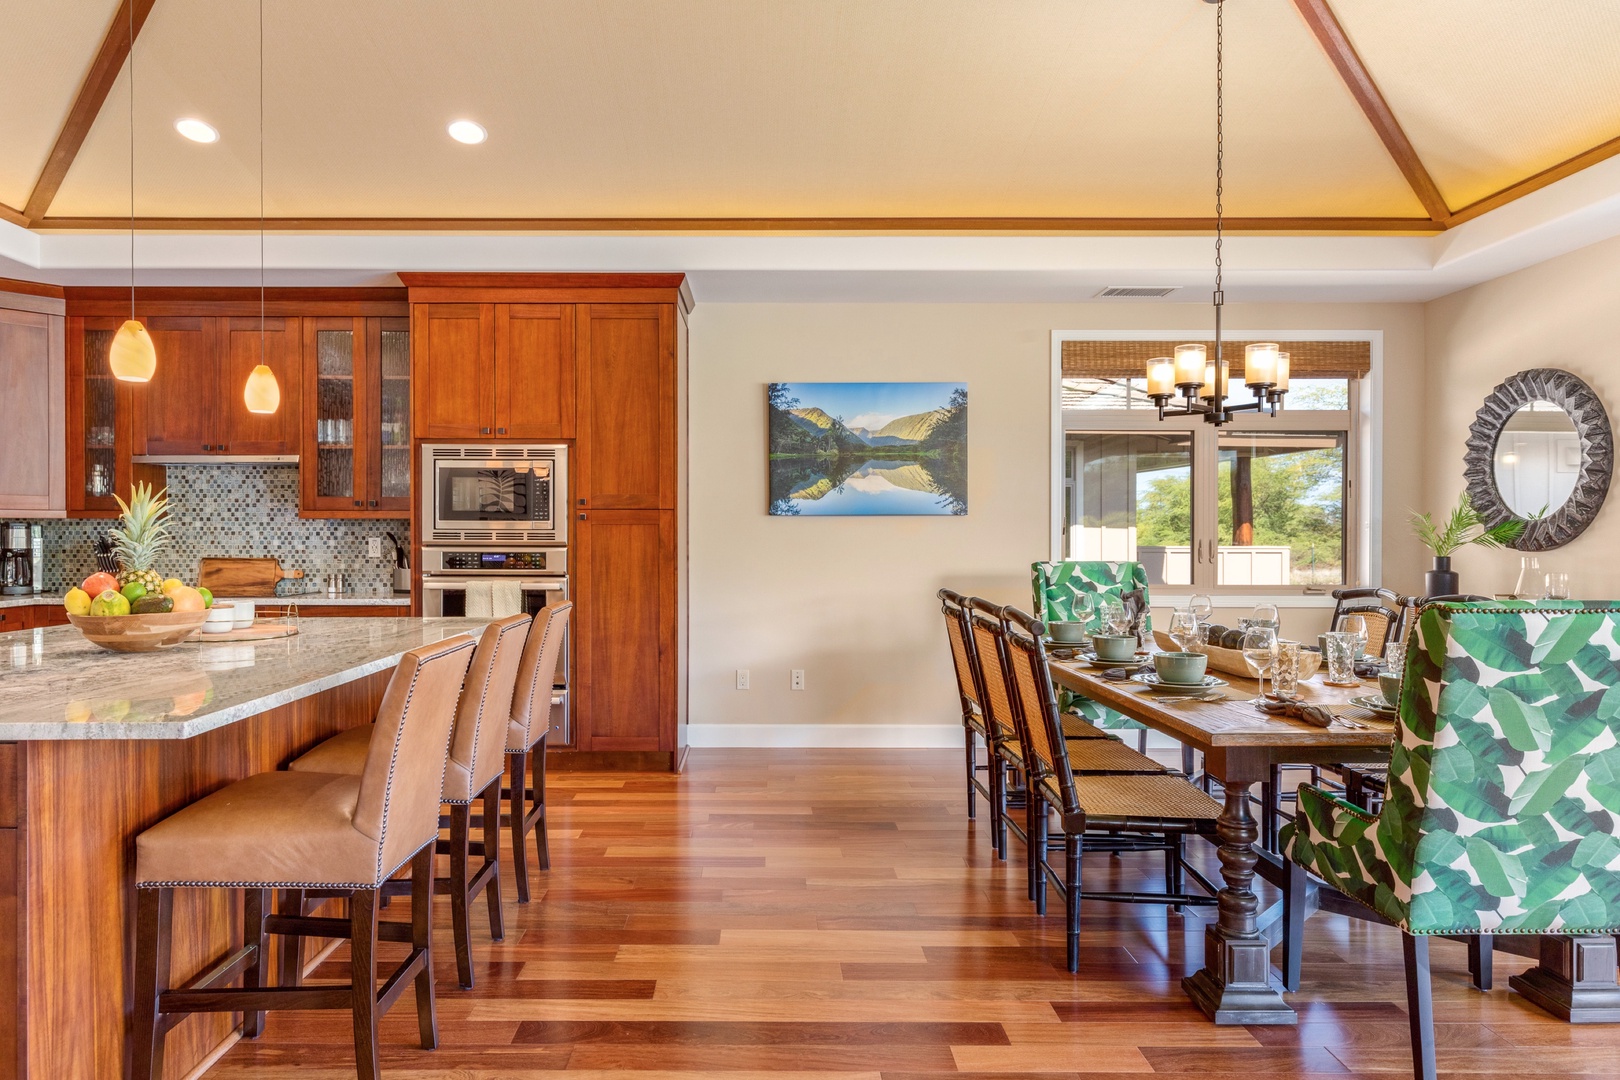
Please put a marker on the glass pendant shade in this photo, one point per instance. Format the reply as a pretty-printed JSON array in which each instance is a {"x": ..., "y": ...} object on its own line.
[
  {"x": 1282, "y": 371},
  {"x": 1161, "y": 376},
  {"x": 262, "y": 393},
  {"x": 1260, "y": 363},
  {"x": 1190, "y": 361},
  {"x": 132, "y": 357}
]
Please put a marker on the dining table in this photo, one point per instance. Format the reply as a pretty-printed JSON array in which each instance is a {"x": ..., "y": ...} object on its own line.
[{"x": 1240, "y": 745}]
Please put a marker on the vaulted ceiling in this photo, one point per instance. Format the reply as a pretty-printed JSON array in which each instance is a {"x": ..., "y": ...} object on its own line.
[{"x": 1038, "y": 115}]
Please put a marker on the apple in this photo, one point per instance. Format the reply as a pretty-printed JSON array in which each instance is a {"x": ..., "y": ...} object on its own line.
[{"x": 99, "y": 582}]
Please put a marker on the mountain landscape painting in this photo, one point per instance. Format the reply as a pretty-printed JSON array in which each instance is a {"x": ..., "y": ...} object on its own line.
[{"x": 867, "y": 449}]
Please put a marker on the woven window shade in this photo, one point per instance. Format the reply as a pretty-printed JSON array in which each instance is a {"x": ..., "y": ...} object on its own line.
[{"x": 1128, "y": 359}]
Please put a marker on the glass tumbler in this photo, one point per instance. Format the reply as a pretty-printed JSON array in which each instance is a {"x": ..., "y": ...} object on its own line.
[
  {"x": 1395, "y": 657},
  {"x": 1341, "y": 658},
  {"x": 1286, "y": 679},
  {"x": 1557, "y": 586}
]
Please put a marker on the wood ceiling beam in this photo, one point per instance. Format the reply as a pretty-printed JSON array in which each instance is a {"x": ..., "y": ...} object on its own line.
[
  {"x": 759, "y": 225},
  {"x": 1325, "y": 25},
  {"x": 1601, "y": 152},
  {"x": 16, "y": 217},
  {"x": 98, "y": 83}
]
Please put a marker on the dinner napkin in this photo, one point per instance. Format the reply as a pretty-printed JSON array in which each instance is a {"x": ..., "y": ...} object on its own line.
[
  {"x": 1120, "y": 674},
  {"x": 1294, "y": 709}
]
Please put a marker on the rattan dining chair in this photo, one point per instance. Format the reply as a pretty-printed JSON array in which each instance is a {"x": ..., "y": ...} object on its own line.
[
  {"x": 960, "y": 637},
  {"x": 1143, "y": 811}
]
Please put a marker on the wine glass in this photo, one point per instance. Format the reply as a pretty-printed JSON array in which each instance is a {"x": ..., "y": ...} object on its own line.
[
  {"x": 1184, "y": 629},
  {"x": 1202, "y": 607},
  {"x": 1113, "y": 617},
  {"x": 1084, "y": 609},
  {"x": 1264, "y": 615},
  {"x": 1357, "y": 625},
  {"x": 1260, "y": 652}
]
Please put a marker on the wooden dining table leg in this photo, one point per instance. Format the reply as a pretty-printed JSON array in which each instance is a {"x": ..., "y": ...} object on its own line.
[{"x": 1234, "y": 985}]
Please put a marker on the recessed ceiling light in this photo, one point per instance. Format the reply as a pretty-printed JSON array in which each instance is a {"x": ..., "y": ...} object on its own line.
[
  {"x": 196, "y": 130},
  {"x": 465, "y": 131}
]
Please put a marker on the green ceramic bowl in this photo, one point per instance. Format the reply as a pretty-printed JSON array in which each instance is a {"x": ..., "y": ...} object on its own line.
[
  {"x": 1114, "y": 646},
  {"x": 1390, "y": 683},
  {"x": 1180, "y": 668},
  {"x": 1067, "y": 633}
]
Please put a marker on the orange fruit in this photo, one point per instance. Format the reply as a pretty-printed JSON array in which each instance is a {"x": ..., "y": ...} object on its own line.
[{"x": 186, "y": 598}]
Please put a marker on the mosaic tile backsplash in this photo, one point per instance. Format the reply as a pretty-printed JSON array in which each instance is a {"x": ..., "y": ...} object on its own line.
[{"x": 238, "y": 510}]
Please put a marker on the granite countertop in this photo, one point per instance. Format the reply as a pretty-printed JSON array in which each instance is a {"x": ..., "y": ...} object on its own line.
[
  {"x": 351, "y": 598},
  {"x": 56, "y": 685}
]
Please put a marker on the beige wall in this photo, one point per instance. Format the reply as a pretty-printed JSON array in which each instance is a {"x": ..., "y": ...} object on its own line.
[
  {"x": 850, "y": 600},
  {"x": 1564, "y": 313}
]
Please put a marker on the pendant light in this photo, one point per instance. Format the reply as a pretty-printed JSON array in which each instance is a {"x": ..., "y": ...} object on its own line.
[
  {"x": 1200, "y": 378},
  {"x": 262, "y": 394},
  {"x": 132, "y": 356}
]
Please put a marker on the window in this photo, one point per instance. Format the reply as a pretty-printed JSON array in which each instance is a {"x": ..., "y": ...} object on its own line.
[{"x": 1260, "y": 503}]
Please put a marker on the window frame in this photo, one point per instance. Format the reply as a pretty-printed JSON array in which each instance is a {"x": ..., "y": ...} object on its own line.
[{"x": 1363, "y": 453}]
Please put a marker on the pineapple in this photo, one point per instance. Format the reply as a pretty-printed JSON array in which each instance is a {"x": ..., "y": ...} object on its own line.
[{"x": 142, "y": 534}]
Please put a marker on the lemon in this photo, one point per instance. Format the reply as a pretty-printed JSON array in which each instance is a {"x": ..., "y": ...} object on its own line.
[
  {"x": 77, "y": 602},
  {"x": 171, "y": 584}
]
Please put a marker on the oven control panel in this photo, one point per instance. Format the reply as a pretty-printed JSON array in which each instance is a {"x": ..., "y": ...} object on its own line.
[{"x": 493, "y": 560}]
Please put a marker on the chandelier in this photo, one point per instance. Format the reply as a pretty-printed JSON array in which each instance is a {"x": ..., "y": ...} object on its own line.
[{"x": 1199, "y": 379}]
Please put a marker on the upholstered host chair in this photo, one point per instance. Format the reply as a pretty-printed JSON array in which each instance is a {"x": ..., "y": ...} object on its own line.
[
  {"x": 526, "y": 738},
  {"x": 477, "y": 763},
  {"x": 340, "y": 834},
  {"x": 1058, "y": 587},
  {"x": 1500, "y": 810}
]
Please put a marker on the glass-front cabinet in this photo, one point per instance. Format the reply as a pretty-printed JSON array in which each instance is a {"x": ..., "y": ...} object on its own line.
[
  {"x": 356, "y": 443},
  {"x": 97, "y": 420}
]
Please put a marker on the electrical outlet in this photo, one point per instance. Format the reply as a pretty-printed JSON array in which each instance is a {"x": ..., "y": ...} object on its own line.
[
  {"x": 742, "y": 678},
  {"x": 798, "y": 678},
  {"x": 374, "y": 547}
]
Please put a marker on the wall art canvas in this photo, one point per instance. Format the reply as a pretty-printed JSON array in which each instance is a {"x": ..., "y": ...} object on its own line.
[{"x": 867, "y": 449}]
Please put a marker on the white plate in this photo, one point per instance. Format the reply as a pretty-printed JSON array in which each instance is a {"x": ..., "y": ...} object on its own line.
[
  {"x": 1374, "y": 704},
  {"x": 1152, "y": 681}
]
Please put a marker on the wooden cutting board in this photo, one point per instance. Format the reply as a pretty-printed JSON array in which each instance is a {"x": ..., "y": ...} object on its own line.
[{"x": 242, "y": 577}]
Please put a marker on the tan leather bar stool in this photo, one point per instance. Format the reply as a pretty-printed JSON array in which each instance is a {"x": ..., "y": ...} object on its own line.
[
  {"x": 477, "y": 762},
  {"x": 342, "y": 834},
  {"x": 526, "y": 739}
]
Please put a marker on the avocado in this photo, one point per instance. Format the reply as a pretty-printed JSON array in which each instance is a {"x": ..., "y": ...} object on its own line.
[{"x": 152, "y": 605}]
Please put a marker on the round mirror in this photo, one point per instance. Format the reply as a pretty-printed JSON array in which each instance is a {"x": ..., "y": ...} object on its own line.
[
  {"x": 1538, "y": 459},
  {"x": 1540, "y": 450}
]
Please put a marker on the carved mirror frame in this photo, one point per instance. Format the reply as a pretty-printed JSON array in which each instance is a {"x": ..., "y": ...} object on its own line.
[{"x": 1581, "y": 404}]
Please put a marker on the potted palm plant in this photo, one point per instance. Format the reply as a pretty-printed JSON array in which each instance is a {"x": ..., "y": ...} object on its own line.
[{"x": 1462, "y": 528}]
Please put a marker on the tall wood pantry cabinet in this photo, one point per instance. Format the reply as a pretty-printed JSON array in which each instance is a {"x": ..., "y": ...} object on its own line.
[{"x": 596, "y": 361}]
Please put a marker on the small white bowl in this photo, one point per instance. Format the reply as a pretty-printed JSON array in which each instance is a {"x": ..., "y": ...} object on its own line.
[
  {"x": 244, "y": 613},
  {"x": 221, "y": 619}
]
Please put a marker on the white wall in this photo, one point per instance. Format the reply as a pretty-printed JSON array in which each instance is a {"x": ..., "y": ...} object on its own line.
[
  {"x": 851, "y": 600},
  {"x": 1564, "y": 313}
]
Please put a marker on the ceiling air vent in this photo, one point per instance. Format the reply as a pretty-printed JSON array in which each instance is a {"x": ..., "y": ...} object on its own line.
[{"x": 1136, "y": 292}]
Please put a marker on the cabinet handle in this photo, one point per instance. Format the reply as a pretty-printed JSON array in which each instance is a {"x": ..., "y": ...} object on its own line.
[
  {"x": 500, "y": 431},
  {"x": 357, "y": 502},
  {"x": 582, "y": 517},
  {"x": 373, "y": 502},
  {"x": 483, "y": 431},
  {"x": 582, "y": 502}
]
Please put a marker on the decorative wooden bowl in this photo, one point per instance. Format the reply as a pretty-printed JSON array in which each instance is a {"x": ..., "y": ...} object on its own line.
[
  {"x": 139, "y": 633},
  {"x": 1231, "y": 662}
]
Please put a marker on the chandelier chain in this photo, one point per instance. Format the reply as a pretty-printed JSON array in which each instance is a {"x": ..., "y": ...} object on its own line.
[
  {"x": 132, "y": 160},
  {"x": 1220, "y": 164}
]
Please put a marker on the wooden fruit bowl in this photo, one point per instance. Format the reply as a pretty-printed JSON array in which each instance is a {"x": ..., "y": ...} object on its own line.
[{"x": 139, "y": 633}]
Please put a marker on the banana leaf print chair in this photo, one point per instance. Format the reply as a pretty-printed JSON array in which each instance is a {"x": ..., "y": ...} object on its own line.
[
  {"x": 1501, "y": 810},
  {"x": 1057, "y": 587}
]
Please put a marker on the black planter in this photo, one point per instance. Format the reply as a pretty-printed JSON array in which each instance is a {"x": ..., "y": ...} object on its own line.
[{"x": 1442, "y": 580}]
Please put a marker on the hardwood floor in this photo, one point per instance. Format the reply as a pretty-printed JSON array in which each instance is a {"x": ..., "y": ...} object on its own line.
[{"x": 821, "y": 914}]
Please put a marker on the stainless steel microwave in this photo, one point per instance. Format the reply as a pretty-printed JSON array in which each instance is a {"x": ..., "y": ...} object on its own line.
[{"x": 501, "y": 493}]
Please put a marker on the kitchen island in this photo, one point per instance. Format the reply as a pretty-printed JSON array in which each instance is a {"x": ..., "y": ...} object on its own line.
[{"x": 97, "y": 746}]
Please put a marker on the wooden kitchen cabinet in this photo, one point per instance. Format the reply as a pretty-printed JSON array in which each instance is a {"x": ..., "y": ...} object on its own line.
[
  {"x": 356, "y": 443},
  {"x": 501, "y": 371},
  {"x": 624, "y": 571},
  {"x": 626, "y": 455},
  {"x": 33, "y": 446},
  {"x": 193, "y": 405},
  {"x": 454, "y": 364},
  {"x": 100, "y": 421}
]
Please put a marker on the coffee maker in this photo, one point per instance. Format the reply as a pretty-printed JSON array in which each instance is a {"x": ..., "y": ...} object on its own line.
[{"x": 16, "y": 559}]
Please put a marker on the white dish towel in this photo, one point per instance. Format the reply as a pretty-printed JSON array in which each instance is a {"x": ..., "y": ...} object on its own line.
[
  {"x": 506, "y": 599},
  {"x": 480, "y": 600}
]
